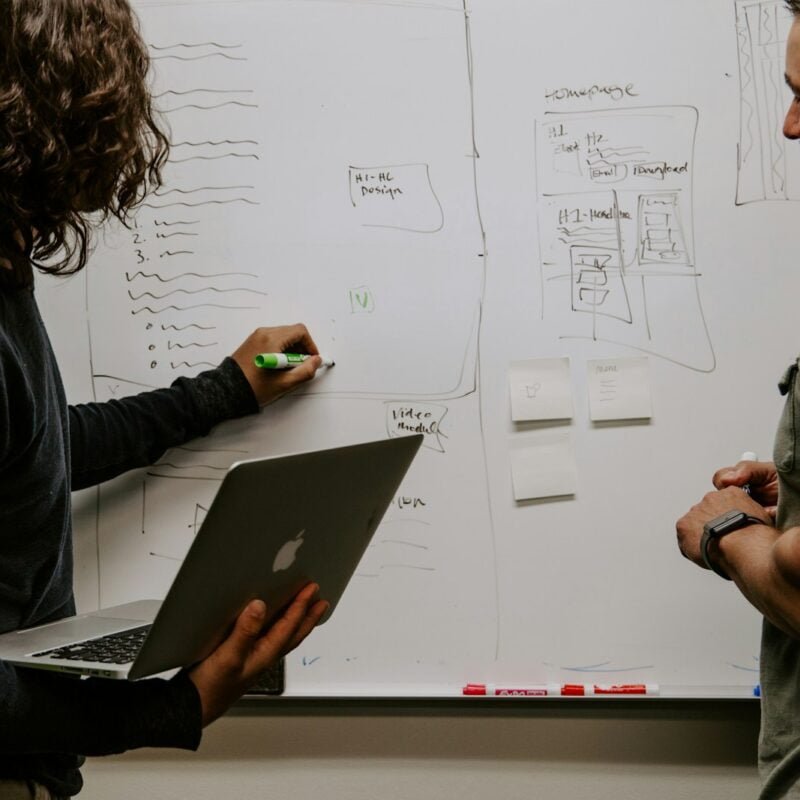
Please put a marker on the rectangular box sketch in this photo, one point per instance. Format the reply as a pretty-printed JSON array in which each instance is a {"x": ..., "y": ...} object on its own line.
[
  {"x": 616, "y": 225},
  {"x": 767, "y": 163},
  {"x": 298, "y": 200},
  {"x": 303, "y": 187}
]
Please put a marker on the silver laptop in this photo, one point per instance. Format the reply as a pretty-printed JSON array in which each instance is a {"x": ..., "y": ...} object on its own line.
[{"x": 275, "y": 525}]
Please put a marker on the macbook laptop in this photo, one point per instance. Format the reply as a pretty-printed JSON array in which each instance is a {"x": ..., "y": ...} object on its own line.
[{"x": 275, "y": 525}]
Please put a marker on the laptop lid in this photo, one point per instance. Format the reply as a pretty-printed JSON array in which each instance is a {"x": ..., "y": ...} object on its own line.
[{"x": 275, "y": 525}]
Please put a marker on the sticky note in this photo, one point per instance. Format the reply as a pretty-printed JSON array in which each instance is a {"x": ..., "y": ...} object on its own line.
[
  {"x": 543, "y": 465},
  {"x": 619, "y": 388},
  {"x": 540, "y": 390}
]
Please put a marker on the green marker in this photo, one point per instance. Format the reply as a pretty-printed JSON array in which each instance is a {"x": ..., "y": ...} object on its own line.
[{"x": 286, "y": 360}]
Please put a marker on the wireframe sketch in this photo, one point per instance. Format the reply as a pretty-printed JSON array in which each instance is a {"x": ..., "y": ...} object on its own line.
[
  {"x": 284, "y": 200},
  {"x": 617, "y": 230},
  {"x": 400, "y": 197},
  {"x": 767, "y": 166},
  {"x": 306, "y": 199}
]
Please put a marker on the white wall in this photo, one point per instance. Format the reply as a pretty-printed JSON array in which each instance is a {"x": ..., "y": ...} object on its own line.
[{"x": 660, "y": 751}]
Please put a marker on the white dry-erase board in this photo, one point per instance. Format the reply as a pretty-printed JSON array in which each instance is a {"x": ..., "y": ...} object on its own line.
[{"x": 440, "y": 192}]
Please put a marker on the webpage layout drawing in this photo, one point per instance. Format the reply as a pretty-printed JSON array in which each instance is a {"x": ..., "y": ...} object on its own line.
[{"x": 616, "y": 226}]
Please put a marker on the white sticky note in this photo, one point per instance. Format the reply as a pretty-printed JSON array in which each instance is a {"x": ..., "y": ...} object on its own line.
[
  {"x": 619, "y": 388},
  {"x": 543, "y": 465},
  {"x": 540, "y": 390}
]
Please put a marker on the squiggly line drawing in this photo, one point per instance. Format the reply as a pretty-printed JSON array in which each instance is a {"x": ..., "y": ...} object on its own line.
[
  {"x": 199, "y": 44},
  {"x": 192, "y": 291},
  {"x": 152, "y": 310},
  {"x": 179, "y": 346},
  {"x": 158, "y": 277},
  {"x": 169, "y": 253},
  {"x": 197, "y": 58},
  {"x": 178, "y": 190},
  {"x": 172, "y": 235},
  {"x": 178, "y": 222},
  {"x": 214, "y": 158},
  {"x": 203, "y": 203},
  {"x": 215, "y": 143},
  {"x": 204, "y": 91},
  {"x": 186, "y": 364},
  {"x": 186, "y": 327},
  {"x": 210, "y": 108}
]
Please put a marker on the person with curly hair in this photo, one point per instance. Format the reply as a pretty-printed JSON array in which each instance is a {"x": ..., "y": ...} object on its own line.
[{"x": 79, "y": 143}]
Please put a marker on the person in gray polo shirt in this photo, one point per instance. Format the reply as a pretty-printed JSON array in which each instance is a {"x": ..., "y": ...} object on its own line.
[{"x": 753, "y": 539}]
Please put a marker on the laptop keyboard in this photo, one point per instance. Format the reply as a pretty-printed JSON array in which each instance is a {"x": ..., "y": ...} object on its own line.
[{"x": 115, "y": 648}]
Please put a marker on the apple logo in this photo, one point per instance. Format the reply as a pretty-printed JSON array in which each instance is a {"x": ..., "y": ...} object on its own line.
[{"x": 288, "y": 553}]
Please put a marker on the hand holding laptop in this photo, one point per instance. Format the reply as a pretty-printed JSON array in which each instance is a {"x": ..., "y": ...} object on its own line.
[{"x": 223, "y": 677}]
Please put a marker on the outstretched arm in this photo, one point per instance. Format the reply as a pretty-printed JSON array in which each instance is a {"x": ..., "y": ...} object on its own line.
[{"x": 107, "y": 439}]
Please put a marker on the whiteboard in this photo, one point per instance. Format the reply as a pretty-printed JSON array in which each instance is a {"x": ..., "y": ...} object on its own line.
[{"x": 440, "y": 192}]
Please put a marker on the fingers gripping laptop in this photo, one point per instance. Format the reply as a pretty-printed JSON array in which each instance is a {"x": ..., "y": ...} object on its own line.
[{"x": 275, "y": 525}]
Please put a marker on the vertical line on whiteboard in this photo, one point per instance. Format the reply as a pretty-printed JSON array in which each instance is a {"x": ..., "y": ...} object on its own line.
[
  {"x": 94, "y": 397},
  {"x": 478, "y": 370},
  {"x": 693, "y": 254},
  {"x": 538, "y": 215},
  {"x": 646, "y": 310}
]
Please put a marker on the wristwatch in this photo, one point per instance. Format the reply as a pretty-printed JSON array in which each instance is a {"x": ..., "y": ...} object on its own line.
[{"x": 718, "y": 527}]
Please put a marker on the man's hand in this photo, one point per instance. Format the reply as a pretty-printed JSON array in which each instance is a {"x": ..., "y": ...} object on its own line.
[
  {"x": 270, "y": 384},
  {"x": 690, "y": 526},
  {"x": 235, "y": 665},
  {"x": 760, "y": 476}
]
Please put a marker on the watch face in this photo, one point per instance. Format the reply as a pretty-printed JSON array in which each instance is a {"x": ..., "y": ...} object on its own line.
[{"x": 726, "y": 523}]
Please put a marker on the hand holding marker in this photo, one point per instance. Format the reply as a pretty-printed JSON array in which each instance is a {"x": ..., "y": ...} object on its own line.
[
  {"x": 286, "y": 360},
  {"x": 748, "y": 456}
]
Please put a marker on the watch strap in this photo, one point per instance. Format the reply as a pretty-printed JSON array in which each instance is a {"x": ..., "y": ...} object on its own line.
[{"x": 710, "y": 535}]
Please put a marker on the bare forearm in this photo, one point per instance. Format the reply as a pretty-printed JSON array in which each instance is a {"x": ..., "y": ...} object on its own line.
[{"x": 765, "y": 565}]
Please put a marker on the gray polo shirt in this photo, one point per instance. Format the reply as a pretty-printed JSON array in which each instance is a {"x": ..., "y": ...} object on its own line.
[{"x": 780, "y": 654}]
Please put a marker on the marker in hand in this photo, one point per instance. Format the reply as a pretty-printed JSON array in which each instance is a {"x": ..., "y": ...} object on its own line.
[
  {"x": 286, "y": 360},
  {"x": 748, "y": 456}
]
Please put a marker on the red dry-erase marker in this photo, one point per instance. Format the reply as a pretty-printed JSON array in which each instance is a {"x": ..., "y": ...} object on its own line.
[
  {"x": 627, "y": 689},
  {"x": 492, "y": 690},
  {"x": 575, "y": 690}
]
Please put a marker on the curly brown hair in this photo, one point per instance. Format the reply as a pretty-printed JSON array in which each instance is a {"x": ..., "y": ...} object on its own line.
[
  {"x": 79, "y": 140},
  {"x": 794, "y": 7}
]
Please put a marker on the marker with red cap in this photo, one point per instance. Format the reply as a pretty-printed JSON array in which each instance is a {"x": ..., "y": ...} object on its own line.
[
  {"x": 492, "y": 690},
  {"x": 595, "y": 690}
]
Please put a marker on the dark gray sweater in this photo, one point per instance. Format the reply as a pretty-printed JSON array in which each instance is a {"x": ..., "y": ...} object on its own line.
[{"x": 47, "y": 449}]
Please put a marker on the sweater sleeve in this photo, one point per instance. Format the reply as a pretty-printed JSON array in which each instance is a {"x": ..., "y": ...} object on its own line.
[
  {"x": 45, "y": 712},
  {"x": 107, "y": 439}
]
